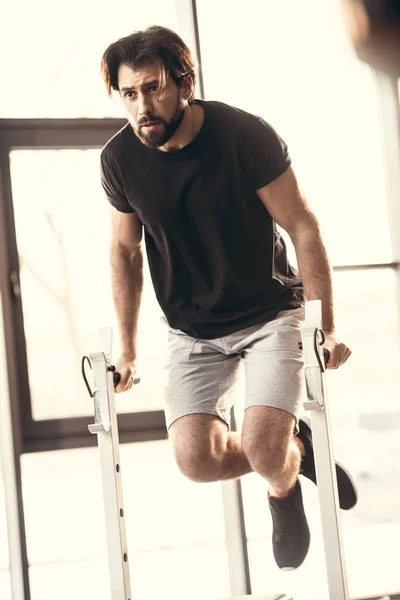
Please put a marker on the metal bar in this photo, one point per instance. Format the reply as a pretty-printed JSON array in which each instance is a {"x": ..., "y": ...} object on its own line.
[
  {"x": 235, "y": 531},
  {"x": 73, "y": 442},
  {"x": 11, "y": 312},
  {"x": 58, "y": 133},
  {"x": 389, "y": 103},
  {"x": 317, "y": 405},
  {"x": 106, "y": 428},
  {"x": 381, "y": 597},
  {"x": 12, "y": 485},
  {"x": 236, "y": 539},
  {"x": 263, "y": 597},
  {"x": 58, "y": 124},
  {"x": 128, "y": 422},
  {"x": 388, "y": 96},
  {"x": 198, "y": 48},
  {"x": 391, "y": 265},
  {"x": 186, "y": 11}
]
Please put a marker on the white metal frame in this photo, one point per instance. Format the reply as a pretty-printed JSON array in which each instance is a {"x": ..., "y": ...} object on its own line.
[
  {"x": 106, "y": 428},
  {"x": 235, "y": 535},
  {"x": 317, "y": 405},
  {"x": 9, "y": 469}
]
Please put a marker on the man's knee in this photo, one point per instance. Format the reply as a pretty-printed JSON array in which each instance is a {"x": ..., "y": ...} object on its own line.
[
  {"x": 266, "y": 437},
  {"x": 197, "y": 465},
  {"x": 268, "y": 459},
  {"x": 198, "y": 442}
]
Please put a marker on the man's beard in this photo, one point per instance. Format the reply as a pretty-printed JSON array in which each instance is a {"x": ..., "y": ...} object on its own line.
[{"x": 166, "y": 129}]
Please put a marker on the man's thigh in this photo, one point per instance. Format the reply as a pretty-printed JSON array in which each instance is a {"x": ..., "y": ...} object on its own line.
[
  {"x": 267, "y": 429},
  {"x": 199, "y": 378},
  {"x": 274, "y": 365},
  {"x": 197, "y": 441}
]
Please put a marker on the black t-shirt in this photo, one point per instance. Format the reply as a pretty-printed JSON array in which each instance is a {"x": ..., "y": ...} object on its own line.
[{"x": 217, "y": 261}]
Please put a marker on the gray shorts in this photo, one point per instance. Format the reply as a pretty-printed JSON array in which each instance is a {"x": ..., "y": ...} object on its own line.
[{"x": 200, "y": 375}]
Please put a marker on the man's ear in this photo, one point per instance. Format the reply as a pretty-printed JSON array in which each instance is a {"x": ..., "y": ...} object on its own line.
[{"x": 187, "y": 87}]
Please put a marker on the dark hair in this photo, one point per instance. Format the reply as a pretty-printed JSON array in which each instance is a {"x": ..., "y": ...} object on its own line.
[{"x": 155, "y": 45}]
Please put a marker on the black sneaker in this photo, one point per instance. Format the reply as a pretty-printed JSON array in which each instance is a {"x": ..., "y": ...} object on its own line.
[
  {"x": 290, "y": 533},
  {"x": 346, "y": 487}
]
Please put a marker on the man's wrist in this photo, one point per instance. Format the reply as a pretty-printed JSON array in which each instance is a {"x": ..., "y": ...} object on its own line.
[
  {"x": 329, "y": 330},
  {"x": 129, "y": 355}
]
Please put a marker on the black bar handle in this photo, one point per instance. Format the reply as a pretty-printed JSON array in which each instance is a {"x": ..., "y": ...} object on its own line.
[
  {"x": 117, "y": 379},
  {"x": 327, "y": 355}
]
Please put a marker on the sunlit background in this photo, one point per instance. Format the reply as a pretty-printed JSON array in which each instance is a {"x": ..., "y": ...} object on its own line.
[{"x": 291, "y": 63}]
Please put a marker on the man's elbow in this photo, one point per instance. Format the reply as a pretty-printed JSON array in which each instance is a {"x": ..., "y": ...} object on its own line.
[
  {"x": 305, "y": 229},
  {"x": 131, "y": 252}
]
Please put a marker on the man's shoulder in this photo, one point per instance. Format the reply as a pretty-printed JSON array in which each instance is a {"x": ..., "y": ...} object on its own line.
[
  {"x": 224, "y": 109},
  {"x": 236, "y": 117},
  {"x": 112, "y": 148}
]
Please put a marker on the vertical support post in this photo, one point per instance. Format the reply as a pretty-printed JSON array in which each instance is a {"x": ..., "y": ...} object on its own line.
[
  {"x": 235, "y": 528},
  {"x": 12, "y": 389},
  {"x": 389, "y": 104},
  {"x": 106, "y": 428},
  {"x": 189, "y": 31},
  {"x": 12, "y": 483},
  {"x": 236, "y": 540},
  {"x": 317, "y": 405}
]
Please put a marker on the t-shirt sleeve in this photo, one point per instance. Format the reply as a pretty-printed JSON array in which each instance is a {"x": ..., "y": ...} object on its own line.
[
  {"x": 111, "y": 181},
  {"x": 266, "y": 154}
]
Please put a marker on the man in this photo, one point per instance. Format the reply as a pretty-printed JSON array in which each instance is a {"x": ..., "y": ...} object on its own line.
[{"x": 207, "y": 183}]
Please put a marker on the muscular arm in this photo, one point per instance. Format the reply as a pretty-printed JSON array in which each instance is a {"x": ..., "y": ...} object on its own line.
[
  {"x": 126, "y": 258},
  {"x": 289, "y": 209}
]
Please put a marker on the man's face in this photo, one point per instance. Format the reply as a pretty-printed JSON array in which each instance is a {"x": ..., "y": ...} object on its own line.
[{"x": 154, "y": 118}]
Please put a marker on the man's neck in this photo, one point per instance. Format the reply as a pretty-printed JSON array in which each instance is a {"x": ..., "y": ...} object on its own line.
[{"x": 190, "y": 126}]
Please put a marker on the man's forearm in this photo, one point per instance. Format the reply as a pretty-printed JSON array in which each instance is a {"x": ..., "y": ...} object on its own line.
[
  {"x": 127, "y": 288},
  {"x": 315, "y": 271}
]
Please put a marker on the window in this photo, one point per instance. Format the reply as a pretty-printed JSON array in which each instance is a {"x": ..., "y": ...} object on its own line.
[
  {"x": 63, "y": 236},
  {"x": 51, "y": 54},
  {"x": 291, "y": 63},
  {"x": 175, "y": 528}
]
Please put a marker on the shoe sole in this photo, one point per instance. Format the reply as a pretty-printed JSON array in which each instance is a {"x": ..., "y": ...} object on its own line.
[{"x": 348, "y": 495}]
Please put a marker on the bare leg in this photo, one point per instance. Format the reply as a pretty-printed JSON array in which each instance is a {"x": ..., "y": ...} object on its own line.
[
  {"x": 205, "y": 451},
  {"x": 272, "y": 449},
  {"x": 281, "y": 485}
]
